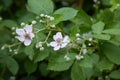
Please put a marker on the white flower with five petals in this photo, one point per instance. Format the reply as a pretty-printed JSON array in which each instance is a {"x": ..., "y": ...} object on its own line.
[
  {"x": 59, "y": 42},
  {"x": 25, "y": 35}
]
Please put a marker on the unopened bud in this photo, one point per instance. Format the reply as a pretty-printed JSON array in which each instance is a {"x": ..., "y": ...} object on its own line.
[{"x": 34, "y": 22}]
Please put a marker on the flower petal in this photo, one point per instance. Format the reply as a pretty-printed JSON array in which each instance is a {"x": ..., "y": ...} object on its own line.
[
  {"x": 20, "y": 38},
  {"x": 28, "y": 28},
  {"x": 66, "y": 39},
  {"x": 27, "y": 42},
  {"x": 53, "y": 44},
  {"x": 64, "y": 45},
  {"x": 58, "y": 35},
  {"x": 31, "y": 35},
  {"x": 20, "y": 31},
  {"x": 57, "y": 48}
]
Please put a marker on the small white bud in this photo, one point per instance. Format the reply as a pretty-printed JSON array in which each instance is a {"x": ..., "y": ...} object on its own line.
[
  {"x": 37, "y": 17},
  {"x": 89, "y": 44},
  {"x": 41, "y": 21},
  {"x": 48, "y": 45},
  {"x": 53, "y": 26},
  {"x": 84, "y": 51},
  {"x": 39, "y": 44},
  {"x": 90, "y": 39},
  {"x": 78, "y": 39},
  {"x": 67, "y": 58},
  {"x": 34, "y": 22},
  {"x": 41, "y": 48},
  {"x": 42, "y": 15},
  {"x": 118, "y": 5},
  {"x": 10, "y": 50},
  {"x": 0, "y": 18},
  {"x": 46, "y": 16},
  {"x": 51, "y": 18},
  {"x": 95, "y": 1},
  {"x": 77, "y": 35},
  {"x": 3, "y": 47},
  {"x": 79, "y": 57},
  {"x": 13, "y": 33},
  {"x": 13, "y": 28},
  {"x": 22, "y": 24},
  {"x": 98, "y": 2}
]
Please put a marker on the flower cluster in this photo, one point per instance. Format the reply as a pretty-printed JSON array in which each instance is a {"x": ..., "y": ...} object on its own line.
[
  {"x": 26, "y": 34},
  {"x": 81, "y": 39}
]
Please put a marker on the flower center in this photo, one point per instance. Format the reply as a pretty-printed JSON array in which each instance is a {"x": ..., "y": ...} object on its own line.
[
  {"x": 59, "y": 40},
  {"x": 27, "y": 36}
]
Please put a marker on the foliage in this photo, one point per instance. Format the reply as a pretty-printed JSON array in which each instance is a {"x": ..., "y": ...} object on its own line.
[{"x": 43, "y": 40}]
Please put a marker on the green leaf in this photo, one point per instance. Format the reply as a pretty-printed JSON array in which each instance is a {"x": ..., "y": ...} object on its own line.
[
  {"x": 43, "y": 69},
  {"x": 30, "y": 66},
  {"x": 58, "y": 18},
  {"x": 41, "y": 55},
  {"x": 77, "y": 72},
  {"x": 11, "y": 64},
  {"x": 112, "y": 31},
  {"x": 29, "y": 52},
  {"x": 74, "y": 30},
  {"x": 40, "y": 6},
  {"x": 112, "y": 52},
  {"x": 95, "y": 58},
  {"x": 115, "y": 74},
  {"x": 82, "y": 18},
  {"x": 117, "y": 14},
  {"x": 102, "y": 36},
  {"x": 98, "y": 27},
  {"x": 8, "y": 23},
  {"x": 28, "y": 17},
  {"x": 86, "y": 62},
  {"x": 68, "y": 13},
  {"x": 59, "y": 63},
  {"x": 104, "y": 64},
  {"x": 88, "y": 72}
]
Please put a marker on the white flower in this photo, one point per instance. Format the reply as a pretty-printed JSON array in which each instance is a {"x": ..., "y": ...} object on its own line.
[
  {"x": 25, "y": 35},
  {"x": 59, "y": 42}
]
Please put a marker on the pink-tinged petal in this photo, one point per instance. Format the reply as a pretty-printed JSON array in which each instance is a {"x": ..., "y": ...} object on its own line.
[
  {"x": 28, "y": 28},
  {"x": 53, "y": 44},
  {"x": 20, "y": 31},
  {"x": 64, "y": 45},
  {"x": 58, "y": 35},
  {"x": 31, "y": 35},
  {"x": 66, "y": 39},
  {"x": 56, "y": 48},
  {"x": 20, "y": 38},
  {"x": 27, "y": 42}
]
